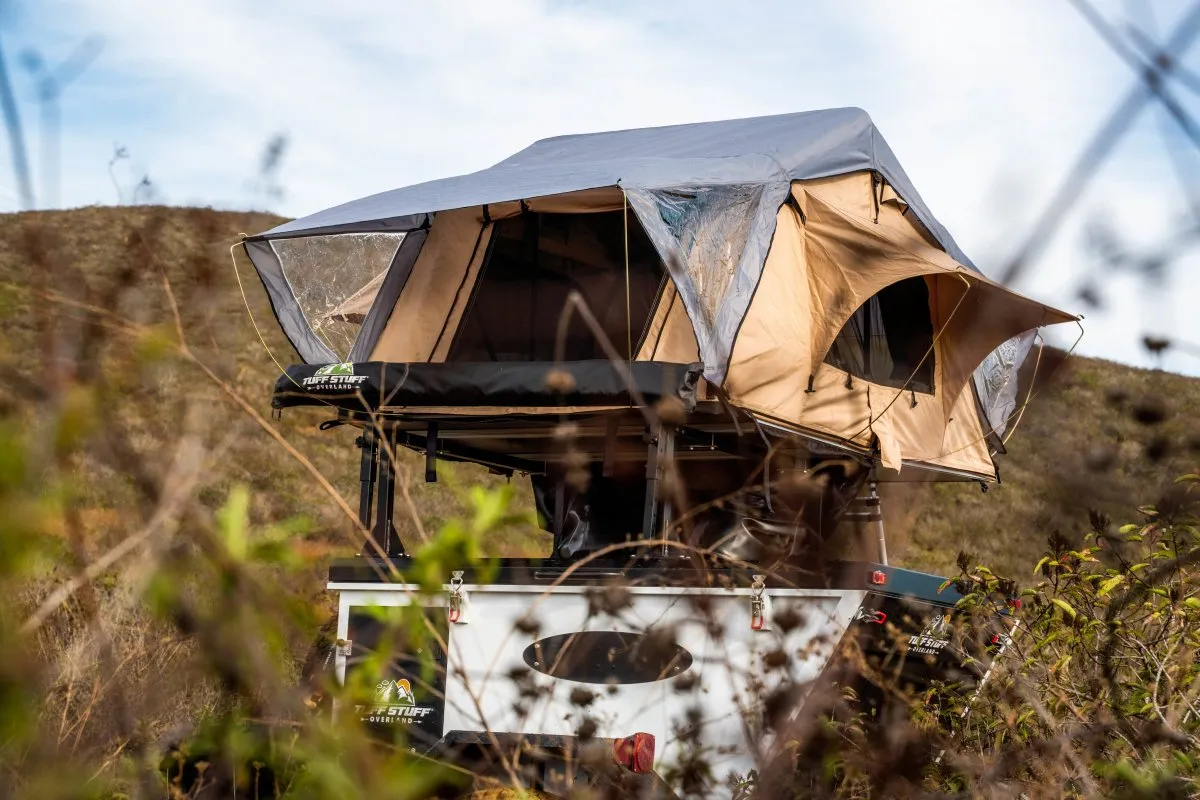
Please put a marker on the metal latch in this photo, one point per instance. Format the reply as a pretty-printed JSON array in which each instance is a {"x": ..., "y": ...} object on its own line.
[
  {"x": 460, "y": 604},
  {"x": 760, "y": 604},
  {"x": 343, "y": 647},
  {"x": 870, "y": 615}
]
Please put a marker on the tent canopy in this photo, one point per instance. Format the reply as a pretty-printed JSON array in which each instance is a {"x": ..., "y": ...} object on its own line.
[
  {"x": 789, "y": 255},
  {"x": 774, "y": 149}
]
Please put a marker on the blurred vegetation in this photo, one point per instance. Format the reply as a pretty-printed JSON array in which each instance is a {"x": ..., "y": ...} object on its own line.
[
  {"x": 139, "y": 464},
  {"x": 1096, "y": 436},
  {"x": 163, "y": 545},
  {"x": 1094, "y": 694},
  {"x": 1093, "y": 436}
]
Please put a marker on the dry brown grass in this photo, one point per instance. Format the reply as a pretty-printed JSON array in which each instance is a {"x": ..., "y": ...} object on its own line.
[
  {"x": 118, "y": 256},
  {"x": 1080, "y": 447}
]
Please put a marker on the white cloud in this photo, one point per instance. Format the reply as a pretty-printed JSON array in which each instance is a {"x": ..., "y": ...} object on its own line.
[{"x": 986, "y": 104}]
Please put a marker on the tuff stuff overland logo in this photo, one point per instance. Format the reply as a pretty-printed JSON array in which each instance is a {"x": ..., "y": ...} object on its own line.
[
  {"x": 394, "y": 703},
  {"x": 933, "y": 639},
  {"x": 335, "y": 376}
]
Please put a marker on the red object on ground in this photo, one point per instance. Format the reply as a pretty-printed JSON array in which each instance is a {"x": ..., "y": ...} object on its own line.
[{"x": 635, "y": 752}]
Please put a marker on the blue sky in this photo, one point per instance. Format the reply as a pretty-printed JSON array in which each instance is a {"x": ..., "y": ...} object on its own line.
[{"x": 985, "y": 103}]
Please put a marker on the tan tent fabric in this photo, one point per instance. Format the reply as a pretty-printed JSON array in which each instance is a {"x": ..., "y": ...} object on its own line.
[
  {"x": 658, "y": 319},
  {"x": 677, "y": 344},
  {"x": 589, "y": 201},
  {"x": 841, "y": 241},
  {"x": 833, "y": 408},
  {"x": 925, "y": 434},
  {"x": 853, "y": 194},
  {"x": 850, "y": 258},
  {"x": 462, "y": 298},
  {"x": 988, "y": 315},
  {"x": 769, "y": 367},
  {"x": 670, "y": 336},
  {"x": 412, "y": 332},
  {"x": 965, "y": 442},
  {"x": 829, "y": 256},
  {"x": 439, "y": 275}
]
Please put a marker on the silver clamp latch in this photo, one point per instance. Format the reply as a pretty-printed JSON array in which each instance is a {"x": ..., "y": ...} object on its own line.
[
  {"x": 457, "y": 612},
  {"x": 343, "y": 647},
  {"x": 759, "y": 604}
]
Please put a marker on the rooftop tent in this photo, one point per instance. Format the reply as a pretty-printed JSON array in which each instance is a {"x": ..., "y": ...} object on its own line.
[{"x": 789, "y": 255}]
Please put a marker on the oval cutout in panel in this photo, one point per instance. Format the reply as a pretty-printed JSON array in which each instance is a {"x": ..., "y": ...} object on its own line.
[{"x": 607, "y": 657}]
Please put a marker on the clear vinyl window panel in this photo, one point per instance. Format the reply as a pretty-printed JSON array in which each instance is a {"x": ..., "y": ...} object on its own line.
[
  {"x": 889, "y": 339},
  {"x": 712, "y": 238},
  {"x": 535, "y": 261},
  {"x": 335, "y": 280},
  {"x": 996, "y": 380}
]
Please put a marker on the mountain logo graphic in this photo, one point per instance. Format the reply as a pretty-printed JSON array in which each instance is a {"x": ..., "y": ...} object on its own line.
[
  {"x": 398, "y": 692},
  {"x": 936, "y": 629},
  {"x": 345, "y": 368}
]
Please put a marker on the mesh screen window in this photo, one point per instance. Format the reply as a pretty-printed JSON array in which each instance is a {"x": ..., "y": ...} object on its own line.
[{"x": 887, "y": 338}]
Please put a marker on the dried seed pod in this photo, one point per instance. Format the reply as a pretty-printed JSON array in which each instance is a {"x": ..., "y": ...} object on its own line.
[{"x": 560, "y": 381}]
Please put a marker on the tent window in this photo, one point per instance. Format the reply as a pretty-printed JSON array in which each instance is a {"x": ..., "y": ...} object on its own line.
[
  {"x": 887, "y": 338},
  {"x": 335, "y": 279},
  {"x": 534, "y": 262}
]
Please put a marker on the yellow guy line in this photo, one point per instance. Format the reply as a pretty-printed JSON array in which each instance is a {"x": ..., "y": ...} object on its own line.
[{"x": 246, "y": 302}]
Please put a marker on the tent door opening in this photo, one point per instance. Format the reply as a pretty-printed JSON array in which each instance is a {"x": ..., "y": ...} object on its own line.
[{"x": 534, "y": 262}]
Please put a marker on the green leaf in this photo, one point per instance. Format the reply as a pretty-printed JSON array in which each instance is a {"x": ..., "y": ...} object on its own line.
[
  {"x": 233, "y": 519},
  {"x": 490, "y": 507},
  {"x": 1110, "y": 584},
  {"x": 1064, "y": 605},
  {"x": 77, "y": 419}
]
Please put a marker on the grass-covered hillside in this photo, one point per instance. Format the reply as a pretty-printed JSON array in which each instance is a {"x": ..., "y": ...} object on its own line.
[
  {"x": 138, "y": 265},
  {"x": 93, "y": 290},
  {"x": 1096, "y": 436},
  {"x": 141, "y": 473}
]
